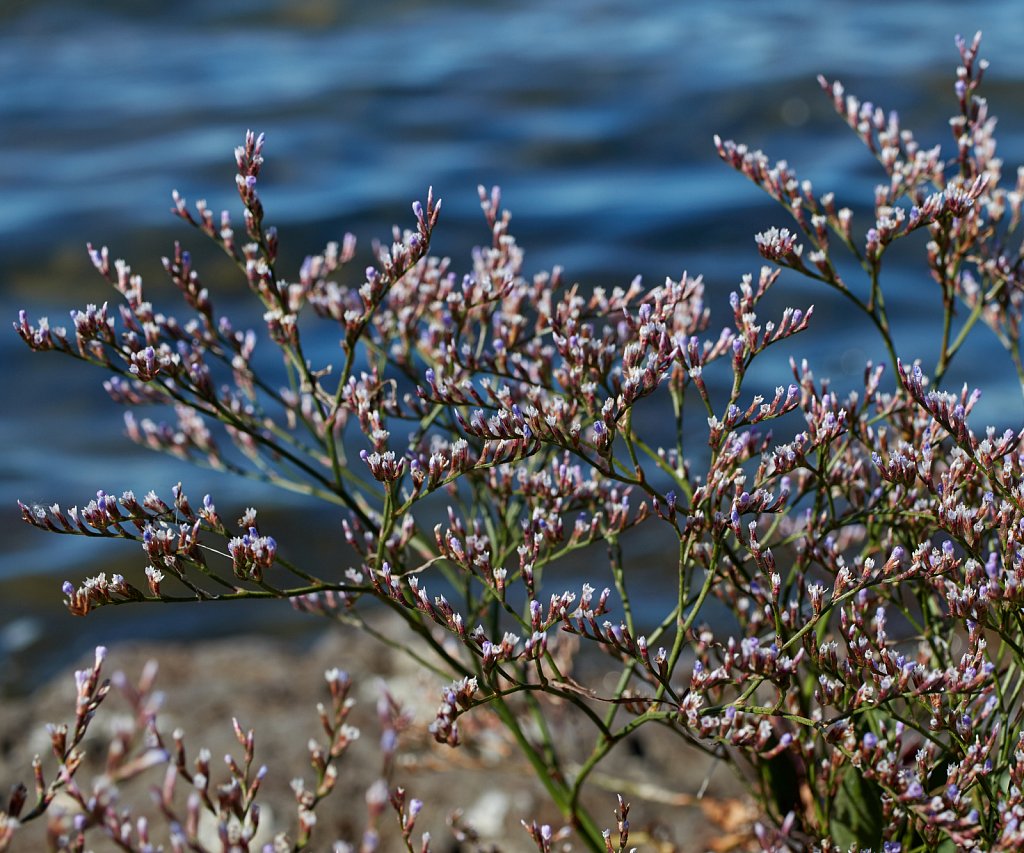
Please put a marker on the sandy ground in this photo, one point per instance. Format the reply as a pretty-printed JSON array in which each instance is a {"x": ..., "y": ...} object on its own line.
[{"x": 273, "y": 685}]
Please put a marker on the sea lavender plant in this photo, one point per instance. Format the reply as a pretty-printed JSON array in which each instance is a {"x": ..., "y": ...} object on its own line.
[
  {"x": 203, "y": 808},
  {"x": 867, "y": 686}
]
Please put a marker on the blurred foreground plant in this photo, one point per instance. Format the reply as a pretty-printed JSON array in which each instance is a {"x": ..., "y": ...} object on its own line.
[{"x": 867, "y": 685}]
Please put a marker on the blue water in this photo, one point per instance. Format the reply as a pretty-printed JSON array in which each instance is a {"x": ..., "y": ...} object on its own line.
[{"x": 595, "y": 117}]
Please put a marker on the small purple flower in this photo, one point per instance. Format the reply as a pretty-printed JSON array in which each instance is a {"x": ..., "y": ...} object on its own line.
[{"x": 914, "y": 791}]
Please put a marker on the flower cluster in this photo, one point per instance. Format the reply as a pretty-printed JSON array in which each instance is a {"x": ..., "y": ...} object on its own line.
[{"x": 481, "y": 430}]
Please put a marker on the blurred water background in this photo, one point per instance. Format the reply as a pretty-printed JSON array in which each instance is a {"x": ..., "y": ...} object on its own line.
[{"x": 595, "y": 116}]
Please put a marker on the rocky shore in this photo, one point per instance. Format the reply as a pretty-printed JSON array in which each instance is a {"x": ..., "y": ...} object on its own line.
[{"x": 273, "y": 685}]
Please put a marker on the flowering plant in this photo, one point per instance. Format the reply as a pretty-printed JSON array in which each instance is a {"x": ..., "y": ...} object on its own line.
[{"x": 866, "y": 684}]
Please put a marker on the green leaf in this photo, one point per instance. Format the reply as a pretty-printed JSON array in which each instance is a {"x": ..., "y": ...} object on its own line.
[{"x": 856, "y": 813}]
